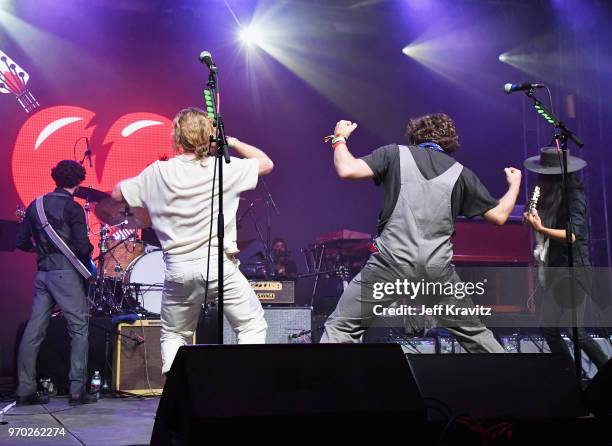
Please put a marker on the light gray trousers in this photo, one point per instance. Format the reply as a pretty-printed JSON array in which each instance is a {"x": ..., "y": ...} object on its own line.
[
  {"x": 183, "y": 296},
  {"x": 354, "y": 314}
]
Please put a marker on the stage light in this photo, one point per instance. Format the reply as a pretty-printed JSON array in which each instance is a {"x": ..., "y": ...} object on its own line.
[
  {"x": 7, "y": 5},
  {"x": 251, "y": 35},
  {"x": 503, "y": 57},
  {"x": 417, "y": 50},
  {"x": 297, "y": 38},
  {"x": 407, "y": 50}
]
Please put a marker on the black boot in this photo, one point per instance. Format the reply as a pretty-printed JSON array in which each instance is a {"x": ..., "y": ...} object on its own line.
[
  {"x": 83, "y": 398},
  {"x": 35, "y": 398}
]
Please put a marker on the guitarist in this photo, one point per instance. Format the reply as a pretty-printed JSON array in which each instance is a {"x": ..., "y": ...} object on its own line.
[
  {"x": 57, "y": 282},
  {"x": 549, "y": 226}
]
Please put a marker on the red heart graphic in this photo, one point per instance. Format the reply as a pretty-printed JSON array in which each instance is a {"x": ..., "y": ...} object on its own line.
[{"x": 133, "y": 142}]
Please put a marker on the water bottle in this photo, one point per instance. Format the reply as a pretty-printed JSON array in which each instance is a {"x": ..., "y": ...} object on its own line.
[{"x": 96, "y": 382}]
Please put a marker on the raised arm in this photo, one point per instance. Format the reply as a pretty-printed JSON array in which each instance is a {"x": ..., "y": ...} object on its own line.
[
  {"x": 116, "y": 194},
  {"x": 248, "y": 151},
  {"x": 347, "y": 166},
  {"x": 500, "y": 213}
]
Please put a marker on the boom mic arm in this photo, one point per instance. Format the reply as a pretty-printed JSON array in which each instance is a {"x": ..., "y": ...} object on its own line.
[{"x": 511, "y": 88}]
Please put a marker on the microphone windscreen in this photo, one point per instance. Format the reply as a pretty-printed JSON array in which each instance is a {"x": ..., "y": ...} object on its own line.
[
  {"x": 204, "y": 55},
  {"x": 508, "y": 88}
]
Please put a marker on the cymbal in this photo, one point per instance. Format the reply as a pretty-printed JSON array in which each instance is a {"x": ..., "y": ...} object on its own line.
[
  {"x": 90, "y": 193},
  {"x": 113, "y": 213}
]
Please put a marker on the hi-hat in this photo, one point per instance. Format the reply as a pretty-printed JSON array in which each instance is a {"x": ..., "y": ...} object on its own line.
[{"x": 91, "y": 194}]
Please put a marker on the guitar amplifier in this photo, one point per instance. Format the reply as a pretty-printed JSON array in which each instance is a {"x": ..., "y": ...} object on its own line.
[
  {"x": 414, "y": 345},
  {"x": 274, "y": 291},
  {"x": 137, "y": 358},
  {"x": 290, "y": 325}
]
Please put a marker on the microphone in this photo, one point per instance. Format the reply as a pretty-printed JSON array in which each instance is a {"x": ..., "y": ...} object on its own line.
[
  {"x": 511, "y": 88},
  {"x": 206, "y": 59},
  {"x": 88, "y": 153}
]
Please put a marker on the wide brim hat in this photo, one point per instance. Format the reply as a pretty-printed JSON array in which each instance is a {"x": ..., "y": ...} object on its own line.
[{"x": 548, "y": 162}]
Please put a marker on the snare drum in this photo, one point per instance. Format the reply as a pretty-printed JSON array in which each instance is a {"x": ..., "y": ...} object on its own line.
[
  {"x": 120, "y": 255},
  {"x": 144, "y": 279}
]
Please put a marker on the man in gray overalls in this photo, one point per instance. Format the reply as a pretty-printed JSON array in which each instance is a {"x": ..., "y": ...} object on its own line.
[{"x": 425, "y": 190}]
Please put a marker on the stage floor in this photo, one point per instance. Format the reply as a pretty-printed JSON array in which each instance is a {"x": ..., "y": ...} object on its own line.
[{"x": 110, "y": 421}]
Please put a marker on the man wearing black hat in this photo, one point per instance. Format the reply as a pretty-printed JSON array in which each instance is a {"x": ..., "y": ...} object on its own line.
[{"x": 549, "y": 223}]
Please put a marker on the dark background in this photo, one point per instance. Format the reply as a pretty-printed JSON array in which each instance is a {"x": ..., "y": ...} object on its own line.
[{"x": 326, "y": 60}]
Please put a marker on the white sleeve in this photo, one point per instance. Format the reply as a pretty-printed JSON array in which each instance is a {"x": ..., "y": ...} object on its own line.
[
  {"x": 247, "y": 173},
  {"x": 134, "y": 189}
]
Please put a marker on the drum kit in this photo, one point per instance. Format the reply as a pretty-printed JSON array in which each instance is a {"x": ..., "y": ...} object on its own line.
[{"x": 130, "y": 271}]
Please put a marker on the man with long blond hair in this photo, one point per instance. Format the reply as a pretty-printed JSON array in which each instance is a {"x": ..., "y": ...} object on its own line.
[{"x": 178, "y": 195}]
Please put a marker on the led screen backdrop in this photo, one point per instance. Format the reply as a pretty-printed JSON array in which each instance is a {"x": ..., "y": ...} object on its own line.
[{"x": 123, "y": 150}]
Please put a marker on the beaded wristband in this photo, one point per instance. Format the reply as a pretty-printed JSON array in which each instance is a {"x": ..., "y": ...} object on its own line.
[{"x": 338, "y": 143}]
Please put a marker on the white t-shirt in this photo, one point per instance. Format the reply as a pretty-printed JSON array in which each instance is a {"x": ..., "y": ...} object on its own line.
[{"x": 177, "y": 194}]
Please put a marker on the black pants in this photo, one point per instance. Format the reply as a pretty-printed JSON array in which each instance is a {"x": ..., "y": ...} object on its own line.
[
  {"x": 557, "y": 311},
  {"x": 64, "y": 287},
  {"x": 587, "y": 344}
]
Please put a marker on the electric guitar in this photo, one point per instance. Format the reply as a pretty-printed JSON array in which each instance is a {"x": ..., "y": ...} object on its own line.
[
  {"x": 532, "y": 206},
  {"x": 540, "y": 252},
  {"x": 20, "y": 213}
]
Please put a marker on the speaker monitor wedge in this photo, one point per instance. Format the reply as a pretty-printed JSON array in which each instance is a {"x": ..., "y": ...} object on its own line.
[{"x": 307, "y": 387}]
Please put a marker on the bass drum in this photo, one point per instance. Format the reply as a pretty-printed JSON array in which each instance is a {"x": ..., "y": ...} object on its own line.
[{"x": 144, "y": 280}]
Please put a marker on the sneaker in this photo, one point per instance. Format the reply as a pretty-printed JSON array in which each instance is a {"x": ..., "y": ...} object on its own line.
[
  {"x": 83, "y": 398},
  {"x": 35, "y": 398}
]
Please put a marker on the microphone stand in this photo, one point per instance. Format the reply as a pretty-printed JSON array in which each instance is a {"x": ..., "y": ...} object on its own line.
[
  {"x": 562, "y": 135},
  {"x": 222, "y": 155},
  {"x": 271, "y": 270},
  {"x": 267, "y": 252}
]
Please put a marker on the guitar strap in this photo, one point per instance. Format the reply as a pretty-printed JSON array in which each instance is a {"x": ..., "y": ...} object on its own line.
[
  {"x": 540, "y": 255},
  {"x": 59, "y": 243}
]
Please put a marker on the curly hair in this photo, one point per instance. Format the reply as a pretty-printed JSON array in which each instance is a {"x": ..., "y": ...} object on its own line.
[
  {"x": 192, "y": 129},
  {"x": 68, "y": 174},
  {"x": 438, "y": 128}
]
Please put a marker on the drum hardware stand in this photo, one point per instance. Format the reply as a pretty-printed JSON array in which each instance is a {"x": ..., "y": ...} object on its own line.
[
  {"x": 105, "y": 301},
  {"x": 104, "y": 230},
  {"x": 139, "y": 297},
  {"x": 269, "y": 201},
  {"x": 106, "y": 387},
  {"x": 314, "y": 267},
  {"x": 562, "y": 135},
  {"x": 265, "y": 242},
  {"x": 314, "y": 256},
  {"x": 148, "y": 286},
  {"x": 87, "y": 208}
]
